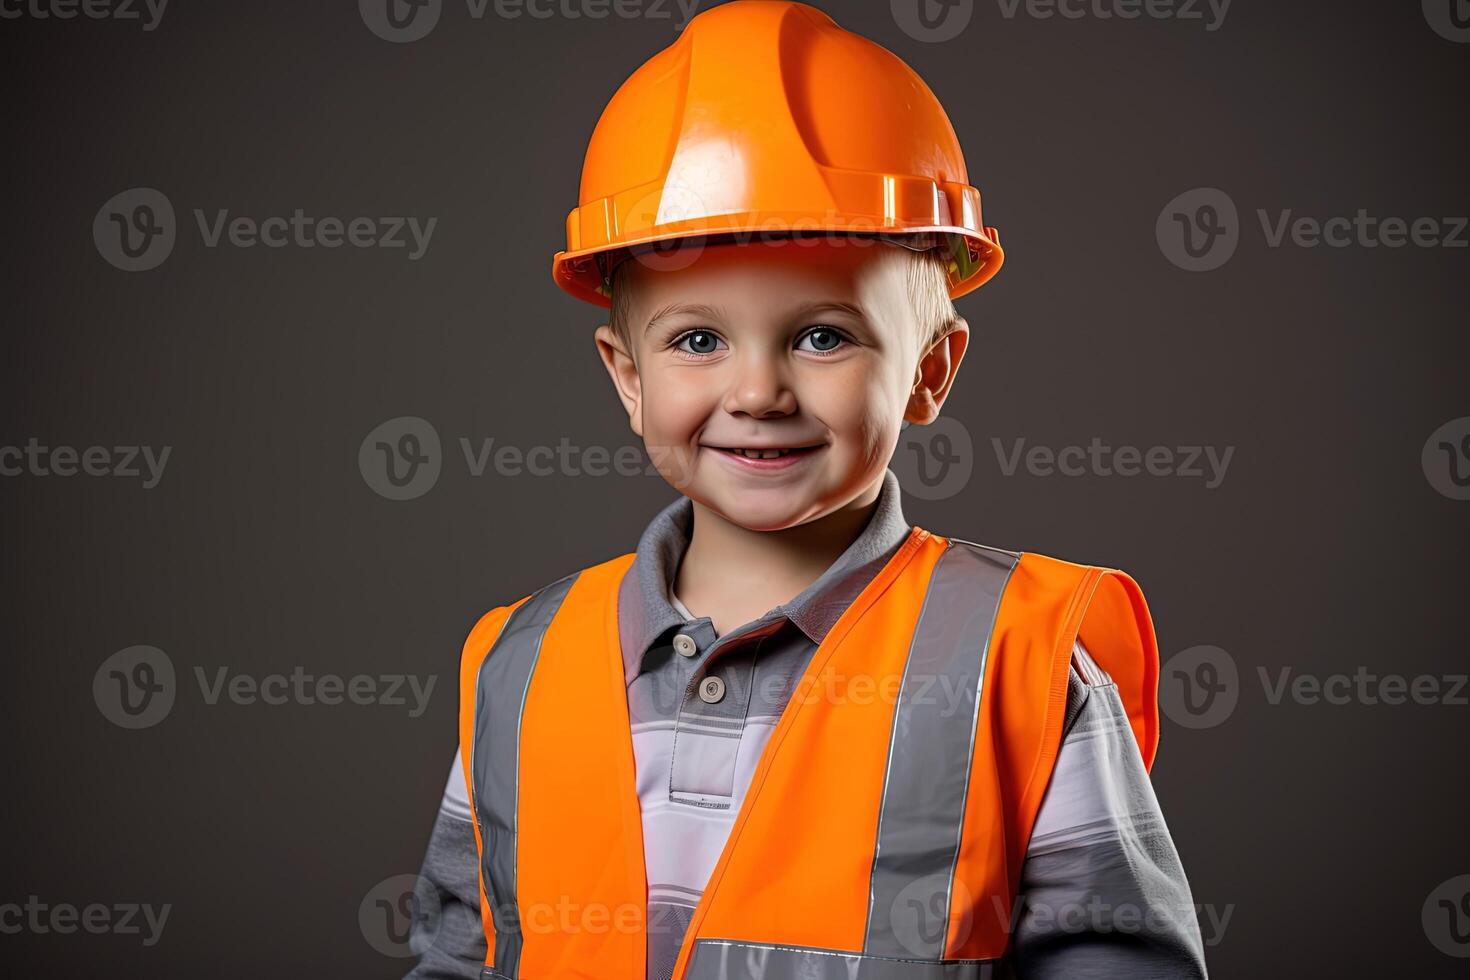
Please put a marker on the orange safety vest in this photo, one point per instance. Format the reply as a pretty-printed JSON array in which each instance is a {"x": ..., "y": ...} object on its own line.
[{"x": 884, "y": 828}]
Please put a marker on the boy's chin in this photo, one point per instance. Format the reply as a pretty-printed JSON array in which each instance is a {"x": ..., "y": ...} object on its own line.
[{"x": 770, "y": 510}]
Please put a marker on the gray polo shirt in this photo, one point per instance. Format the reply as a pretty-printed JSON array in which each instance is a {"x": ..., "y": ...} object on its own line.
[{"x": 1103, "y": 890}]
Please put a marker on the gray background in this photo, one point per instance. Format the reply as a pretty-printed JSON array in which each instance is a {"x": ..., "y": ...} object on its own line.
[{"x": 1321, "y": 829}]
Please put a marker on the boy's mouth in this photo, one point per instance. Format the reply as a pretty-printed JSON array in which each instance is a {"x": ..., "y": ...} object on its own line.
[{"x": 764, "y": 452}]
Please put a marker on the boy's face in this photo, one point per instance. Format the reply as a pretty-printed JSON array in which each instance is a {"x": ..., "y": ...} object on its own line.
[{"x": 811, "y": 349}]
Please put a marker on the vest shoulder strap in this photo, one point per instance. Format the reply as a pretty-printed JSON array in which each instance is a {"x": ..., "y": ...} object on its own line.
[
  {"x": 528, "y": 616},
  {"x": 1105, "y": 609}
]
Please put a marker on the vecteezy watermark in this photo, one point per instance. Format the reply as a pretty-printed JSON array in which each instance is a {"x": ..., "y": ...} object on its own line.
[
  {"x": 1363, "y": 686},
  {"x": 936, "y": 21},
  {"x": 302, "y": 688},
  {"x": 1446, "y": 917},
  {"x": 402, "y": 459},
  {"x": 1097, "y": 458},
  {"x": 568, "y": 916},
  {"x": 137, "y": 687},
  {"x": 919, "y": 915},
  {"x": 1200, "y": 687},
  {"x": 568, "y": 459},
  {"x": 41, "y": 918},
  {"x": 1446, "y": 458},
  {"x": 402, "y": 21},
  {"x": 949, "y": 694},
  {"x": 1199, "y": 230},
  {"x": 121, "y": 462},
  {"x": 149, "y": 12},
  {"x": 934, "y": 461},
  {"x": 1450, "y": 19},
  {"x": 933, "y": 21},
  {"x": 1210, "y": 13},
  {"x": 400, "y": 915},
  {"x": 1096, "y": 915},
  {"x": 135, "y": 230},
  {"x": 1362, "y": 230}
]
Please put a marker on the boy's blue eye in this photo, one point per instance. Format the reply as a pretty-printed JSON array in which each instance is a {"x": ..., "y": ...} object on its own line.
[
  {"x": 699, "y": 342},
  {"x": 821, "y": 340}
]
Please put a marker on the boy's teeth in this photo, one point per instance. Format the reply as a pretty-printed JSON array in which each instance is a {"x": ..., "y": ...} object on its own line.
[{"x": 762, "y": 453}]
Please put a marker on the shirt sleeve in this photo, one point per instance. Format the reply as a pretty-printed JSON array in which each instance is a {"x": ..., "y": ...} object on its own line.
[
  {"x": 1103, "y": 893},
  {"x": 450, "y": 932}
]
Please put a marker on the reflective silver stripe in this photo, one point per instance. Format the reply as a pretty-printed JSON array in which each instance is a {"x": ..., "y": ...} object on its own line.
[
  {"x": 722, "y": 959},
  {"x": 500, "y": 701},
  {"x": 929, "y": 754}
]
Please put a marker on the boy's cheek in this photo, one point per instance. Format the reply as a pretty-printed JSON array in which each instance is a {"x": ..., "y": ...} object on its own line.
[{"x": 675, "y": 463}]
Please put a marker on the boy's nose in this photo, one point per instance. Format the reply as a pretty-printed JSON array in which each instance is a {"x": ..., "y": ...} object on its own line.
[{"x": 759, "y": 391}]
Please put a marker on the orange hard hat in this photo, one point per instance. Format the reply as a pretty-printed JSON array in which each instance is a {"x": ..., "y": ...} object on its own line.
[{"x": 766, "y": 117}]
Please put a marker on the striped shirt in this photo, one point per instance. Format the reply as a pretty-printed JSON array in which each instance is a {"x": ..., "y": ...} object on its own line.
[{"x": 701, "y": 708}]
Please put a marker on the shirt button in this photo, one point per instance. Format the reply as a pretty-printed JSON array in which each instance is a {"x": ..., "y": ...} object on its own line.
[
  {"x": 711, "y": 690},
  {"x": 684, "y": 645}
]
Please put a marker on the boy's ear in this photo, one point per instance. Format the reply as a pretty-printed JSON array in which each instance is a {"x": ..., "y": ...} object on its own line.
[
  {"x": 624, "y": 373},
  {"x": 936, "y": 373}
]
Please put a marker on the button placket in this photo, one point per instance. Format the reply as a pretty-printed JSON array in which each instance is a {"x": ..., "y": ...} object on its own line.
[{"x": 710, "y": 726}]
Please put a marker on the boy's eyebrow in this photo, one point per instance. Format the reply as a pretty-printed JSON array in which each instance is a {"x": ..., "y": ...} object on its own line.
[
  {"x": 714, "y": 313},
  {"x": 824, "y": 306},
  {"x": 674, "y": 309}
]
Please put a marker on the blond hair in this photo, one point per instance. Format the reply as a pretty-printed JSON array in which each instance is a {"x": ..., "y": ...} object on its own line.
[{"x": 927, "y": 279}]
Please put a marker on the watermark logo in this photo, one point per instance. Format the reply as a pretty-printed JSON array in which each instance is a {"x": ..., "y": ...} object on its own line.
[
  {"x": 1199, "y": 687},
  {"x": 1362, "y": 230},
  {"x": 1450, "y": 19},
  {"x": 919, "y": 914},
  {"x": 400, "y": 916},
  {"x": 1446, "y": 459},
  {"x": 126, "y": 462},
  {"x": 1446, "y": 917},
  {"x": 1098, "y": 916},
  {"x": 1362, "y": 686},
  {"x": 40, "y": 918},
  {"x": 944, "y": 20},
  {"x": 150, "y": 12},
  {"x": 934, "y": 21},
  {"x": 673, "y": 202},
  {"x": 934, "y": 461},
  {"x": 1208, "y": 464},
  {"x": 1211, "y": 13},
  {"x": 135, "y": 229},
  {"x": 1199, "y": 229},
  {"x": 400, "y": 21},
  {"x": 401, "y": 459},
  {"x": 135, "y": 688}
]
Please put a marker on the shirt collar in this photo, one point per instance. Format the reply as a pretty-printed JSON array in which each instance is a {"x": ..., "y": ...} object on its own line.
[{"x": 645, "y": 612}]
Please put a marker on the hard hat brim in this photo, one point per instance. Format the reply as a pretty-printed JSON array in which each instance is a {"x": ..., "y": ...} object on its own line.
[{"x": 580, "y": 273}]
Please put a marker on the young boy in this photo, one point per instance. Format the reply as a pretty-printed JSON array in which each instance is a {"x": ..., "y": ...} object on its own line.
[{"x": 793, "y": 736}]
